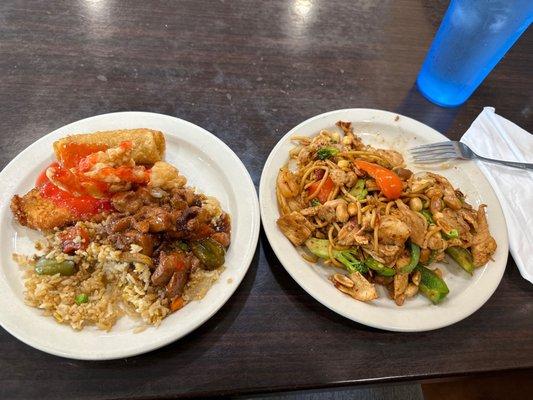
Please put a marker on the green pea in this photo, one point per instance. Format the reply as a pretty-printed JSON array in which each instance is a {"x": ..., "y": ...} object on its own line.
[{"x": 81, "y": 298}]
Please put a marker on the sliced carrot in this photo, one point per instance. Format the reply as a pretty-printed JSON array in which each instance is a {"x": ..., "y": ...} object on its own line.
[
  {"x": 324, "y": 192},
  {"x": 388, "y": 182}
]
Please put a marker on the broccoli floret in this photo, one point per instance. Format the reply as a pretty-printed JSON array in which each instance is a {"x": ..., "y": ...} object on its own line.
[
  {"x": 351, "y": 263},
  {"x": 359, "y": 191},
  {"x": 327, "y": 152}
]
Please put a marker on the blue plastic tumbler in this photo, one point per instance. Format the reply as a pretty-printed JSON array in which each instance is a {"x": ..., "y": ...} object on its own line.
[{"x": 473, "y": 37}]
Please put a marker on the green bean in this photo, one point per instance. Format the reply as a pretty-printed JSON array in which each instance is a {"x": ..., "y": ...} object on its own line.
[{"x": 47, "y": 266}]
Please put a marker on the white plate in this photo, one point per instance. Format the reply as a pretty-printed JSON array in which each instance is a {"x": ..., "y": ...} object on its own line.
[
  {"x": 207, "y": 163},
  {"x": 388, "y": 130}
]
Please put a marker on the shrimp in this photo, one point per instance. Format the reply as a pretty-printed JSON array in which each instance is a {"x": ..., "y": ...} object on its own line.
[{"x": 287, "y": 183}]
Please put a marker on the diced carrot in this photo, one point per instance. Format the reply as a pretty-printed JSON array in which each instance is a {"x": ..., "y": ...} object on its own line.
[{"x": 177, "y": 303}]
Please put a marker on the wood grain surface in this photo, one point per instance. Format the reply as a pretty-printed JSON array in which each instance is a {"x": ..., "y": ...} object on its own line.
[{"x": 248, "y": 71}]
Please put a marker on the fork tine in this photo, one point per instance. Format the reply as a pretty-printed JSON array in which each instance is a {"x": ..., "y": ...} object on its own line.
[
  {"x": 434, "y": 158},
  {"x": 436, "y": 152},
  {"x": 432, "y": 146}
]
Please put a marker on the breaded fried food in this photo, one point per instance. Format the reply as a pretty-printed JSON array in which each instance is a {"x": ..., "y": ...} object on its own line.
[
  {"x": 38, "y": 212},
  {"x": 148, "y": 144}
]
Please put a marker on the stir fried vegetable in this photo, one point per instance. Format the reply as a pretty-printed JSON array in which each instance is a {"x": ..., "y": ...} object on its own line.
[
  {"x": 360, "y": 208},
  {"x": 324, "y": 192},
  {"x": 427, "y": 215},
  {"x": 327, "y": 152},
  {"x": 413, "y": 262},
  {"x": 379, "y": 267},
  {"x": 431, "y": 285},
  {"x": 319, "y": 247},
  {"x": 388, "y": 182},
  {"x": 209, "y": 252},
  {"x": 47, "y": 266},
  {"x": 352, "y": 264},
  {"x": 182, "y": 246},
  {"x": 453, "y": 234},
  {"x": 462, "y": 257},
  {"x": 81, "y": 298},
  {"x": 359, "y": 191}
]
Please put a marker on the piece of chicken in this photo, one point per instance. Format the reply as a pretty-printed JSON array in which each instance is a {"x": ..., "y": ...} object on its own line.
[
  {"x": 296, "y": 227},
  {"x": 450, "y": 219},
  {"x": 362, "y": 290},
  {"x": 394, "y": 158},
  {"x": 393, "y": 231},
  {"x": 449, "y": 196},
  {"x": 415, "y": 221},
  {"x": 400, "y": 284},
  {"x": 483, "y": 244},
  {"x": 352, "y": 234},
  {"x": 470, "y": 216}
]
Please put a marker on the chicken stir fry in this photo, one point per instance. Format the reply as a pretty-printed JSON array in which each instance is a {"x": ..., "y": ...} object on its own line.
[
  {"x": 176, "y": 229},
  {"x": 358, "y": 208}
]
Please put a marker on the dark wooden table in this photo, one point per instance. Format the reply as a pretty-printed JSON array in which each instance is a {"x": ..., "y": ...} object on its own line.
[{"x": 248, "y": 71}]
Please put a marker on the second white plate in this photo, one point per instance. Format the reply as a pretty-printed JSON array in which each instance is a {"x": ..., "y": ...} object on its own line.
[{"x": 389, "y": 130}]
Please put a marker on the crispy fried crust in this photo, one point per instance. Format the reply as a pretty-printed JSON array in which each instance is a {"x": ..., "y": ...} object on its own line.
[
  {"x": 148, "y": 144},
  {"x": 36, "y": 212}
]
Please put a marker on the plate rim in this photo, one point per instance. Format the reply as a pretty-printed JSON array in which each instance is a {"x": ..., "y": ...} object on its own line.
[
  {"x": 143, "y": 347},
  {"x": 263, "y": 198}
]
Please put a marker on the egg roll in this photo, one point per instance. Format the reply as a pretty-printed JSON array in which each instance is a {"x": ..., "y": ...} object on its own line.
[{"x": 148, "y": 144}]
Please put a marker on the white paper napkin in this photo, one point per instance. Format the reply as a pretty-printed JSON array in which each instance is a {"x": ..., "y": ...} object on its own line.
[{"x": 493, "y": 136}]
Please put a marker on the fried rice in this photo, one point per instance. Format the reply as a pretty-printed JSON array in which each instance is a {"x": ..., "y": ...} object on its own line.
[{"x": 113, "y": 287}]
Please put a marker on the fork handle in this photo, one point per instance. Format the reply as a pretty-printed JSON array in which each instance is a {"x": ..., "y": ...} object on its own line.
[{"x": 514, "y": 164}]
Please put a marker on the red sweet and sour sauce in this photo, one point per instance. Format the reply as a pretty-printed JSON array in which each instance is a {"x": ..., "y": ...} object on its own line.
[
  {"x": 81, "y": 206},
  {"x": 81, "y": 194}
]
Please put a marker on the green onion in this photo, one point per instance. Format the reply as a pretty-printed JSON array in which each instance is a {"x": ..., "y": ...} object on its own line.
[
  {"x": 428, "y": 216},
  {"x": 453, "y": 234}
]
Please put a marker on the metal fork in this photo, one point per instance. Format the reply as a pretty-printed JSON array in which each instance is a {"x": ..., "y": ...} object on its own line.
[{"x": 438, "y": 152}]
